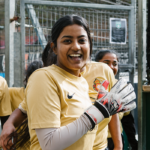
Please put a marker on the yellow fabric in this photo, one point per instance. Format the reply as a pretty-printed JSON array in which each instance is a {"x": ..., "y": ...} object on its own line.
[
  {"x": 95, "y": 73},
  {"x": 16, "y": 96},
  {"x": 5, "y": 105},
  {"x": 126, "y": 113},
  {"x": 47, "y": 103}
]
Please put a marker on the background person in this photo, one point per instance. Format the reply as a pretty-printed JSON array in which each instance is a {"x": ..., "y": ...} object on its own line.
[
  {"x": 5, "y": 104},
  {"x": 110, "y": 57},
  {"x": 17, "y": 94}
]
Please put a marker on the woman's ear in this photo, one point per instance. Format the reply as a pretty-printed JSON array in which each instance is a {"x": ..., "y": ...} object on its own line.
[{"x": 53, "y": 48}]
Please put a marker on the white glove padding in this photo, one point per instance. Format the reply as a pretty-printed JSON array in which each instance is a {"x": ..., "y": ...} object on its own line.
[
  {"x": 130, "y": 106},
  {"x": 119, "y": 99}
]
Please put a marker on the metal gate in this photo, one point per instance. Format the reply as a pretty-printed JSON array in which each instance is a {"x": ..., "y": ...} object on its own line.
[{"x": 38, "y": 17}]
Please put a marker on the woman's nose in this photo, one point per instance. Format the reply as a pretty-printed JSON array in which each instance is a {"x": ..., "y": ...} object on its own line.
[
  {"x": 75, "y": 46},
  {"x": 111, "y": 66}
]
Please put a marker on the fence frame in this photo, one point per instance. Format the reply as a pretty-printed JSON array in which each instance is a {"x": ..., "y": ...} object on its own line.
[{"x": 131, "y": 29}]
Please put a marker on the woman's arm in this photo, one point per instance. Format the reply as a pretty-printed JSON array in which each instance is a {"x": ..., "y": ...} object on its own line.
[
  {"x": 114, "y": 127},
  {"x": 13, "y": 121},
  {"x": 63, "y": 137}
]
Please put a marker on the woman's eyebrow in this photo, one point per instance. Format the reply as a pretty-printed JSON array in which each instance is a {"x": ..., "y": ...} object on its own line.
[
  {"x": 110, "y": 60},
  {"x": 68, "y": 36}
]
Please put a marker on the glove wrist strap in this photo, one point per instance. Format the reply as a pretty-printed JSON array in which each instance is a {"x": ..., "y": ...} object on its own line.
[{"x": 102, "y": 109}]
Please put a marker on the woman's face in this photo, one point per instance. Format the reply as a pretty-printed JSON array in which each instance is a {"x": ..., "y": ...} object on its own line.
[
  {"x": 111, "y": 60},
  {"x": 72, "y": 49}
]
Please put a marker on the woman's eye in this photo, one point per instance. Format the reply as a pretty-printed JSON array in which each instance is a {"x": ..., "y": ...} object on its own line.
[
  {"x": 67, "y": 41},
  {"x": 82, "y": 40}
]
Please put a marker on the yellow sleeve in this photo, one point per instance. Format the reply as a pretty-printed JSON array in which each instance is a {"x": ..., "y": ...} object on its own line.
[
  {"x": 23, "y": 105},
  {"x": 111, "y": 79},
  {"x": 100, "y": 142},
  {"x": 126, "y": 113},
  {"x": 5, "y": 104},
  {"x": 43, "y": 102},
  {"x": 16, "y": 96},
  {"x": 121, "y": 114}
]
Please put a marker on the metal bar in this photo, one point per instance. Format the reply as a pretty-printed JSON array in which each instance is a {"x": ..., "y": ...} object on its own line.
[
  {"x": 22, "y": 14},
  {"x": 9, "y": 39},
  {"x": 36, "y": 23},
  {"x": 7, "y": 46},
  {"x": 144, "y": 37},
  {"x": 132, "y": 49},
  {"x": 78, "y": 5},
  {"x": 141, "y": 46},
  {"x": 17, "y": 60}
]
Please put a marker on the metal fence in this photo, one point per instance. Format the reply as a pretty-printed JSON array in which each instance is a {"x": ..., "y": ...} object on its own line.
[
  {"x": 98, "y": 21},
  {"x": 2, "y": 38},
  {"x": 40, "y": 17}
]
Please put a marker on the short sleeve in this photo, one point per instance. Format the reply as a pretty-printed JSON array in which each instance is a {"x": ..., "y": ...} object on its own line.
[
  {"x": 121, "y": 114},
  {"x": 43, "y": 101},
  {"x": 16, "y": 96},
  {"x": 126, "y": 113},
  {"x": 5, "y": 104},
  {"x": 22, "y": 107}
]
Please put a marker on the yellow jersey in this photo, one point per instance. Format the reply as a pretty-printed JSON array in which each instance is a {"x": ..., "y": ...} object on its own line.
[
  {"x": 5, "y": 104},
  {"x": 57, "y": 99},
  {"x": 95, "y": 73}
]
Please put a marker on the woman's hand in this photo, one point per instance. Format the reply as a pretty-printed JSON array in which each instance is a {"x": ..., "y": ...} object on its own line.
[{"x": 8, "y": 128}]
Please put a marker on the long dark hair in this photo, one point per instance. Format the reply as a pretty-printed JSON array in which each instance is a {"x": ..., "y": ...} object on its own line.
[
  {"x": 31, "y": 68},
  {"x": 100, "y": 54},
  {"x": 21, "y": 137},
  {"x": 48, "y": 56}
]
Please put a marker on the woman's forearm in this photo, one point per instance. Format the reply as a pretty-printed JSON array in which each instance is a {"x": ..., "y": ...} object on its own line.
[
  {"x": 114, "y": 127},
  {"x": 63, "y": 137}
]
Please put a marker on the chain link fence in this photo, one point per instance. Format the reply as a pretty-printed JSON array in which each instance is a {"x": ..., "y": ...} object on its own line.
[{"x": 98, "y": 21}]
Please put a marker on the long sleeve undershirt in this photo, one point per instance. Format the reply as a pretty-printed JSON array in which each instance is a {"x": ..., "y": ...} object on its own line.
[{"x": 63, "y": 137}]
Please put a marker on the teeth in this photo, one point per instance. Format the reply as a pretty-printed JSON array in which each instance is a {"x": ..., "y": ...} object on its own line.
[{"x": 75, "y": 55}]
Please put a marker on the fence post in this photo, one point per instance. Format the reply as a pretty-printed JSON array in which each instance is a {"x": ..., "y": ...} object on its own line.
[
  {"x": 141, "y": 51},
  {"x": 9, "y": 41},
  {"x": 22, "y": 13},
  {"x": 17, "y": 60}
]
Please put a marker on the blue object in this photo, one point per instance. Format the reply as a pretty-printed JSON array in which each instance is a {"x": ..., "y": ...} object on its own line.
[{"x": 2, "y": 74}]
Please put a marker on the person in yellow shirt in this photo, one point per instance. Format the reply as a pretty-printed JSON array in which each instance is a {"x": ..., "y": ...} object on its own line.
[
  {"x": 5, "y": 104},
  {"x": 95, "y": 73},
  {"x": 17, "y": 94},
  {"x": 57, "y": 99},
  {"x": 110, "y": 58}
]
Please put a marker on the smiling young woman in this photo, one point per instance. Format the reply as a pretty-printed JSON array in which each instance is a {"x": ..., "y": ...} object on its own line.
[{"x": 59, "y": 110}]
